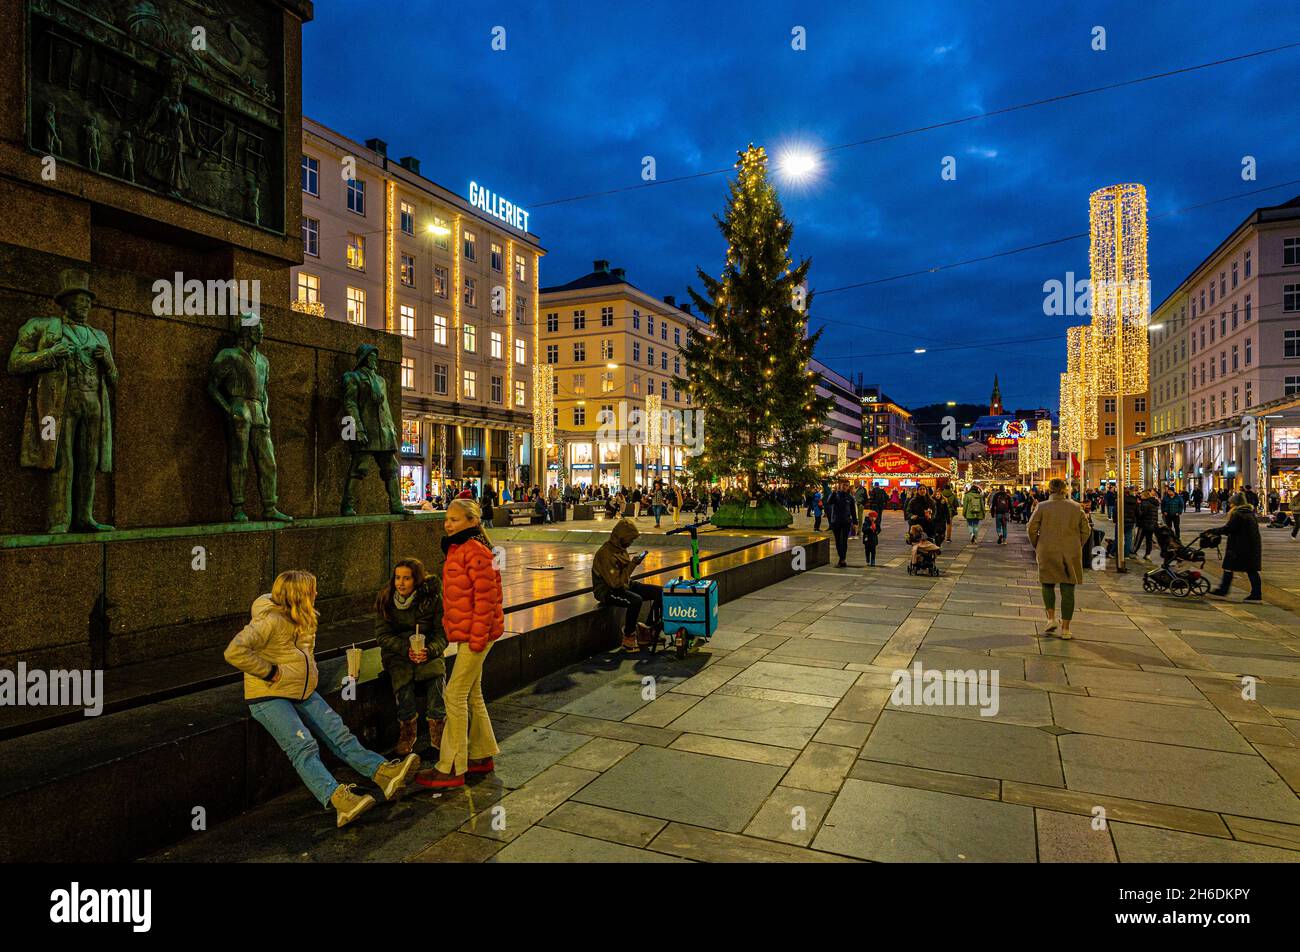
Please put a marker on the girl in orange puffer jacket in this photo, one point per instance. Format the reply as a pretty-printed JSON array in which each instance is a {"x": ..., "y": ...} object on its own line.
[{"x": 472, "y": 617}]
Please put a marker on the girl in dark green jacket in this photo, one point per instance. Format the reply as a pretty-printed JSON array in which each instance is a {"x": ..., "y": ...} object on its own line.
[{"x": 413, "y": 598}]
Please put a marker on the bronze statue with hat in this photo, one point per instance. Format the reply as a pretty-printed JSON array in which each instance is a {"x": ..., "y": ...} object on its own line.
[
  {"x": 67, "y": 420},
  {"x": 369, "y": 424},
  {"x": 237, "y": 383}
]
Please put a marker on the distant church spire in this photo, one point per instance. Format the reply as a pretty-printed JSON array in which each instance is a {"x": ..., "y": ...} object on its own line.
[{"x": 995, "y": 402}]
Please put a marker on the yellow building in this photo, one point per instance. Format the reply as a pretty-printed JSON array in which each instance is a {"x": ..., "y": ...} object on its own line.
[
  {"x": 611, "y": 346},
  {"x": 455, "y": 276},
  {"x": 1099, "y": 462}
]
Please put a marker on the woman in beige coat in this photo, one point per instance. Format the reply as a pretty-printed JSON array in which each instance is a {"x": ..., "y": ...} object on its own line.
[{"x": 1057, "y": 531}]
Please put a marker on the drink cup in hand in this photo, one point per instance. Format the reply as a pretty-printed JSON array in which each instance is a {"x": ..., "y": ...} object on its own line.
[
  {"x": 354, "y": 662},
  {"x": 417, "y": 646}
]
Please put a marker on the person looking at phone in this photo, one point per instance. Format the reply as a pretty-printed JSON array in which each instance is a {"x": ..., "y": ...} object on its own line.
[{"x": 611, "y": 583}]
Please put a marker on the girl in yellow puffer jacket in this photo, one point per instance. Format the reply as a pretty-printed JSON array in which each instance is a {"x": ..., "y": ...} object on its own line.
[{"x": 275, "y": 652}]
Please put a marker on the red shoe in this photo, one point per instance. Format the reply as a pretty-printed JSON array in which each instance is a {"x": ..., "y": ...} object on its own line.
[
  {"x": 481, "y": 766},
  {"x": 438, "y": 781}
]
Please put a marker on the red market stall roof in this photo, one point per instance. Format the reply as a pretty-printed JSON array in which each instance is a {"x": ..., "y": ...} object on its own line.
[{"x": 891, "y": 460}]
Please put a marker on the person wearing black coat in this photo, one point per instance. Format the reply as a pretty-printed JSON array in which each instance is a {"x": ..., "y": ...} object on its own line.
[
  {"x": 842, "y": 513},
  {"x": 1147, "y": 519},
  {"x": 1244, "y": 550}
]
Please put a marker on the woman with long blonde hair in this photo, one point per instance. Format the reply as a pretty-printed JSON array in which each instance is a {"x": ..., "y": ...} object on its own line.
[{"x": 275, "y": 651}]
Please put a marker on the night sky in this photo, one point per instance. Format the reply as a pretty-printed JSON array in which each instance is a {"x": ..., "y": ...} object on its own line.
[{"x": 584, "y": 91}]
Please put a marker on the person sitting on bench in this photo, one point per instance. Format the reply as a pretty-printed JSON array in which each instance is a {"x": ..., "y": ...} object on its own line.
[{"x": 611, "y": 582}]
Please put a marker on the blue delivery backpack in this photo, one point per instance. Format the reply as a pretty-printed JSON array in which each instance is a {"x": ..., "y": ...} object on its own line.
[{"x": 690, "y": 612}]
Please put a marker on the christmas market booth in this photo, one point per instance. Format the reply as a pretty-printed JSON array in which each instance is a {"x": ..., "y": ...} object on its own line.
[{"x": 895, "y": 467}]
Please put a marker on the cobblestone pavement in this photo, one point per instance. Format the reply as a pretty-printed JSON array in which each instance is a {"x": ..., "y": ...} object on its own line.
[{"x": 1166, "y": 730}]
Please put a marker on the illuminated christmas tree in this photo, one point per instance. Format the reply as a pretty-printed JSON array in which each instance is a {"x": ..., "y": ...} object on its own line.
[{"x": 750, "y": 373}]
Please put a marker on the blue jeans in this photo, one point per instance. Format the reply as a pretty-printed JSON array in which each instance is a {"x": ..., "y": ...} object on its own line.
[
  {"x": 974, "y": 526},
  {"x": 657, "y": 511},
  {"x": 293, "y": 724},
  {"x": 1000, "y": 520}
]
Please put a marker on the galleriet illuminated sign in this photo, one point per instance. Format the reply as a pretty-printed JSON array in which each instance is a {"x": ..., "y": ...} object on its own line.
[{"x": 496, "y": 206}]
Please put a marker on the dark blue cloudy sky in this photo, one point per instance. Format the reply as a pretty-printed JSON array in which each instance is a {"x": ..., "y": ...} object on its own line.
[{"x": 585, "y": 90}]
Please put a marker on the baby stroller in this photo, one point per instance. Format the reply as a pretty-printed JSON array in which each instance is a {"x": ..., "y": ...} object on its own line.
[
  {"x": 1169, "y": 577},
  {"x": 926, "y": 565}
]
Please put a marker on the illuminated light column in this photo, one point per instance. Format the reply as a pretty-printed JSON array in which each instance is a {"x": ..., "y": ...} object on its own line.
[
  {"x": 653, "y": 425},
  {"x": 1121, "y": 312},
  {"x": 458, "y": 294},
  {"x": 841, "y": 456},
  {"x": 510, "y": 322},
  {"x": 390, "y": 256},
  {"x": 1043, "y": 446},
  {"x": 536, "y": 355}
]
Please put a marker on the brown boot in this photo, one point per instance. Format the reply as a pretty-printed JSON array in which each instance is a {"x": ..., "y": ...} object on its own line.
[
  {"x": 435, "y": 733},
  {"x": 407, "y": 731}
]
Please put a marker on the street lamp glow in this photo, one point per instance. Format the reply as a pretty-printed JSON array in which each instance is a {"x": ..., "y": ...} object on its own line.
[
  {"x": 797, "y": 164},
  {"x": 919, "y": 350},
  {"x": 440, "y": 230},
  {"x": 1156, "y": 327}
]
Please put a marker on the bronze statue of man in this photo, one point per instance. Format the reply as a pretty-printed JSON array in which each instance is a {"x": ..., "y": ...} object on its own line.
[
  {"x": 67, "y": 422},
  {"x": 237, "y": 382},
  {"x": 365, "y": 402}
]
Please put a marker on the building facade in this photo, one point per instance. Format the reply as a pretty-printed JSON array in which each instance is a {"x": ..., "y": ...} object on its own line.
[
  {"x": 1099, "y": 464},
  {"x": 614, "y": 351},
  {"x": 844, "y": 423},
  {"x": 385, "y": 247},
  {"x": 884, "y": 421},
  {"x": 1242, "y": 339}
]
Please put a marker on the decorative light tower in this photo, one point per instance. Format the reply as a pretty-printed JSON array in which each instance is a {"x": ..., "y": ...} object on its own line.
[{"x": 1116, "y": 349}]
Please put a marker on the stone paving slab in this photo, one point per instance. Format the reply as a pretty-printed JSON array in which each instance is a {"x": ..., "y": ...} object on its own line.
[
  {"x": 977, "y": 748},
  {"x": 543, "y": 845},
  {"x": 1150, "y": 722},
  {"x": 776, "y": 723},
  {"x": 886, "y": 823},
  {"x": 1185, "y": 776},
  {"x": 714, "y": 792},
  {"x": 1145, "y": 844}
]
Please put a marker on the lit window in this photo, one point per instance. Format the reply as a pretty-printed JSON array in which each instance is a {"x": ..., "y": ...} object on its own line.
[
  {"x": 440, "y": 329},
  {"x": 356, "y": 252},
  {"x": 519, "y": 393},
  {"x": 495, "y": 347},
  {"x": 310, "y": 175},
  {"x": 356, "y": 196},
  {"x": 606, "y": 348},
  {"x": 408, "y": 218},
  {"x": 408, "y": 271},
  {"x": 356, "y": 306},
  {"x": 521, "y": 268},
  {"x": 408, "y": 373},
  {"x": 470, "y": 297},
  {"x": 471, "y": 247},
  {"x": 470, "y": 388},
  {"x": 521, "y": 351},
  {"x": 440, "y": 282},
  {"x": 408, "y": 320},
  {"x": 442, "y": 228},
  {"x": 497, "y": 256},
  {"x": 308, "y": 288},
  {"x": 580, "y": 384},
  {"x": 469, "y": 338}
]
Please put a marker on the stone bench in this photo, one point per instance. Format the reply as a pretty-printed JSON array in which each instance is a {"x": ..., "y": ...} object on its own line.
[{"x": 134, "y": 776}]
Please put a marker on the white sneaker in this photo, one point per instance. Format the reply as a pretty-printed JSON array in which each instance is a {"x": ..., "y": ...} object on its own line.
[{"x": 1051, "y": 627}]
